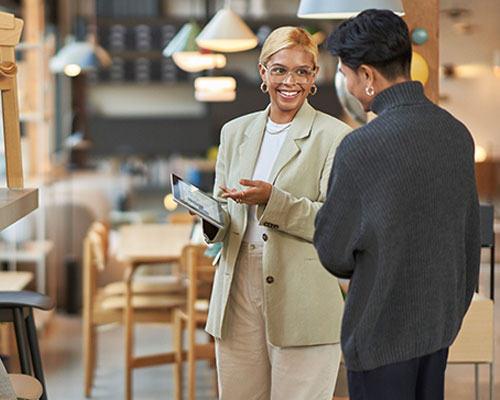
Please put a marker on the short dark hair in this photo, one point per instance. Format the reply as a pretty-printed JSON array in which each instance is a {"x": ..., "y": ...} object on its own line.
[{"x": 374, "y": 37}]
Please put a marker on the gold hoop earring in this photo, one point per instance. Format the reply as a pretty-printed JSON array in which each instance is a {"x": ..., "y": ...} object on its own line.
[
  {"x": 370, "y": 91},
  {"x": 264, "y": 88},
  {"x": 313, "y": 90}
]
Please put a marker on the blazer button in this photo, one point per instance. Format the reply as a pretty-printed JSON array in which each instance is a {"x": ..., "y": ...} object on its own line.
[
  {"x": 269, "y": 279},
  {"x": 264, "y": 237}
]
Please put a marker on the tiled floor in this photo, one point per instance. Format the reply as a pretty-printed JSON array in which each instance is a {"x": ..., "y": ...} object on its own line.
[{"x": 61, "y": 351}]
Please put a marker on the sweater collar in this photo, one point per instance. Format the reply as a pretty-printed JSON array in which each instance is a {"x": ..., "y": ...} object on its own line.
[{"x": 410, "y": 92}]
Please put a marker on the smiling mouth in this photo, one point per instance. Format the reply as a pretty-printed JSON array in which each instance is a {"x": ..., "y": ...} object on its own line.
[{"x": 289, "y": 94}]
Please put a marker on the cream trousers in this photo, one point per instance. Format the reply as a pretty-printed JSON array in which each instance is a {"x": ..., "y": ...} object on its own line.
[{"x": 249, "y": 367}]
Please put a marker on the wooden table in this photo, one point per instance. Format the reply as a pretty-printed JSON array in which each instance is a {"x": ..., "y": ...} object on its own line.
[
  {"x": 15, "y": 280},
  {"x": 140, "y": 244},
  {"x": 152, "y": 243}
]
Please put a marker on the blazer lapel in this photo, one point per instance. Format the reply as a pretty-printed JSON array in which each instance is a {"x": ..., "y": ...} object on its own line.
[
  {"x": 249, "y": 149},
  {"x": 301, "y": 128}
]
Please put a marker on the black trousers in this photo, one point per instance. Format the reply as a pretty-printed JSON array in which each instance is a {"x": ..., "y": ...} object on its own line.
[{"x": 421, "y": 378}]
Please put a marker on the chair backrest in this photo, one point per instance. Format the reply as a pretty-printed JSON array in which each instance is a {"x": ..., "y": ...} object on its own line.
[
  {"x": 181, "y": 218},
  {"x": 94, "y": 259},
  {"x": 101, "y": 228},
  {"x": 487, "y": 217},
  {"x": 200, "y": 273},
  {"x": 487, "y": 231}
]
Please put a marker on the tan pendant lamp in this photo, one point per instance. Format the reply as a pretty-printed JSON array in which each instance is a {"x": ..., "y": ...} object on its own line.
[
  {"x": 342, "y": 9},
  {"x": 215, "y": 88},
  {"x": 226, "y": 32}
]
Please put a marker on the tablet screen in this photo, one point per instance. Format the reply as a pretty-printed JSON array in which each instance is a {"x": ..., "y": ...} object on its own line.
[{"x": 198, "y": 201}]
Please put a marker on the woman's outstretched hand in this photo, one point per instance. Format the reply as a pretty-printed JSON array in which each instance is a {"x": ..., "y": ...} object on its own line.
[{"x": 258, "y": 192}]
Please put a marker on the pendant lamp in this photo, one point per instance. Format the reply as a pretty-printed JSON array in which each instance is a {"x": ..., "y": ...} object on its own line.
[
  {"x": 73, "y": 58},
  {"x": 226, "y": 32},
  {"x": 342, "y": 9},
  {"x": 184, "y": 51},
  {"x": 83, "y": 54},
  {"x": 215, "y": 88}
]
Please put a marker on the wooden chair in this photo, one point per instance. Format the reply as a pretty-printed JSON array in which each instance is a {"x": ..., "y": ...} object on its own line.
[
  {"x": 200, "y": 272},
  {"x": 181, "y": 218},
  {"x": 17, "y": 307},
  {"x": 10, "y": 33},
  {"x": 149, "y": 301},
  {"x": 14, "y": 386}
]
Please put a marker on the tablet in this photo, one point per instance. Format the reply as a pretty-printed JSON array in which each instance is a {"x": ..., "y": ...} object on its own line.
[{"x": 197, "y": 201}]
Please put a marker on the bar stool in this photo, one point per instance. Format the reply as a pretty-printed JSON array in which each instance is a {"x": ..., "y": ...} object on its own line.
[{"x": 17, "y": 307}]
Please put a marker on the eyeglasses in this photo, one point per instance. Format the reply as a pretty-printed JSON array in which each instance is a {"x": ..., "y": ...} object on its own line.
[{"x": 279, "y": 74}]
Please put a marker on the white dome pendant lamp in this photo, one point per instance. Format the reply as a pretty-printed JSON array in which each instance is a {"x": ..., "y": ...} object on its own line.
[
  {"x": 226, "y": 32},
  {"x": 343, "y": 9}
]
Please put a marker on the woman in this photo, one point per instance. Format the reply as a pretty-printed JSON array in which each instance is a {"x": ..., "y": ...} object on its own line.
[{"x": 275, "y": 311}]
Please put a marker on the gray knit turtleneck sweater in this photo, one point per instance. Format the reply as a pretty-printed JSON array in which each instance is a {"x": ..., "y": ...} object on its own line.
[{"x": 401, "y": 220}]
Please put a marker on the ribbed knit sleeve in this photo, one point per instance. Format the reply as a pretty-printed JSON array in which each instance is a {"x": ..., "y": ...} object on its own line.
[{"x": 338, "y": 222}]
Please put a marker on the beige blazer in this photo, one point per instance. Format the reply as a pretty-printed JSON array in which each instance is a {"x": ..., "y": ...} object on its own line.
[{"x": 304, "y": 303}]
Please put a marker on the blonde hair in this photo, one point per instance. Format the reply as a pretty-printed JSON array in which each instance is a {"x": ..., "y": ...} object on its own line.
[{"x": 286, "y": 37}]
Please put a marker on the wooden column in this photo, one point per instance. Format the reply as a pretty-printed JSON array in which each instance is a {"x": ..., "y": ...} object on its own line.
[
  {"x": 425, "y": 14},
  {"x": 34, "y": 17}
]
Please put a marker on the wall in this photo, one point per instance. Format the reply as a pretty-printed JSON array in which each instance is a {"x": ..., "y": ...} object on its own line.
[{"x": 475, "y": 100}]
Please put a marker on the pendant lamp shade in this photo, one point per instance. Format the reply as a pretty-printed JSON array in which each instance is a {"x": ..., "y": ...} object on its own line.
[
  {"x": 194, "y": 61},
  {"x": 74, "y": 58},
  {"x": 226, "y": 32},
  {"x": 184, "y": 40},
  {"x": 184, "y": 51},
  {"x": 215, "y": 88},
  {"x": 343, "y": 9},
  {"x": 79, "y": 56}
]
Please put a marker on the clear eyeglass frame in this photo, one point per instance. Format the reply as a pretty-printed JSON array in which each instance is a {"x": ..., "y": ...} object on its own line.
[{"x": 299, "y": 77}]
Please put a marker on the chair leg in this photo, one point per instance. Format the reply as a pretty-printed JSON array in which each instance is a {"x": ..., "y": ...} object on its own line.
[
  {"x": 492, "y": 381},
  {"x": 191, "y": 360},
  {"x": 93, "y": 352},
  {"x": 129, "y": 351},
  {"x": 476, "y": 381},
  {"x": 19, "y": 328},
  {"x": 88, "y": 356},
  {"x": 178, "y": 348},
  {"x": 35, "y": 352}
]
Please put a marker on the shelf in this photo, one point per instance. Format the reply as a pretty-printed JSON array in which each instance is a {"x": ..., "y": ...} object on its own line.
[
  {"x": 31, "y": 251},
  {"x": 15, "y": 204}
]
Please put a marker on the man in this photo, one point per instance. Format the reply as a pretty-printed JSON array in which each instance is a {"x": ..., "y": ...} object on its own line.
[{"x": 401, "y": 219}]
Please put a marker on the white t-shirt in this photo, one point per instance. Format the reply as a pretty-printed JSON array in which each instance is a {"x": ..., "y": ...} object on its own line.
[{"x": 274, "y": 137}]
